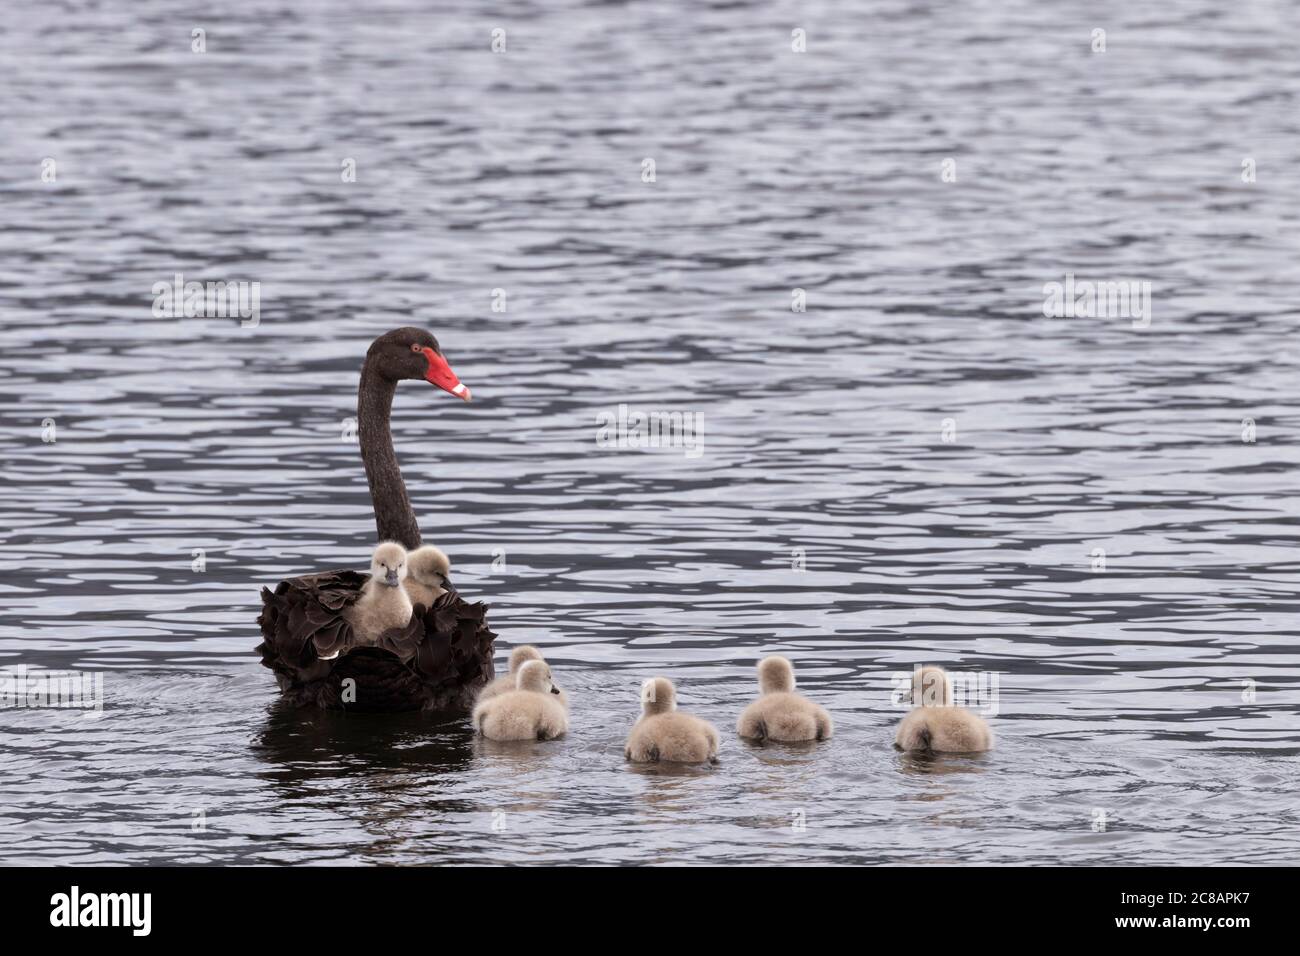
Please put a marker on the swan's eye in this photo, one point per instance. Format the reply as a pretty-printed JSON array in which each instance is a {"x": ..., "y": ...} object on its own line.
[{"x": 415, "y": 348}]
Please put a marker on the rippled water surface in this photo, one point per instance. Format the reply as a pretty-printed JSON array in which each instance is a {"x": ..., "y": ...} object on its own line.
[{"x": 1159, "y": 695}]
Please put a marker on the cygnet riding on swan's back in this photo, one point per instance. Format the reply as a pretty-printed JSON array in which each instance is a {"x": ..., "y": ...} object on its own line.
[
  {"x": 384, "y": 603},
  {"x": 428, "y": 568}
]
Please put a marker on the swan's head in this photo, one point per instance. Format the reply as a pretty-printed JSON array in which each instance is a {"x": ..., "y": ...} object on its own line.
[
  {"x": 775, "y": 674},
  {"x": 658, "y": 696},
  {"x": 931, "y": 687},
  {"x": 536, "y": 676},
  {"x": 413, "y": 353},
  {"x": 521, "y": 655},
  {"x": 428, "y": 565},
  {"x": 388, "y": 564}
]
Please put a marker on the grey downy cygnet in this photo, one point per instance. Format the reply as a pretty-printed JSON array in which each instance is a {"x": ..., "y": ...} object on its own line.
[
  {"x": 664, "y": 734},
  {"x": 428, "y": 568},
  {"x": 780, "y": 714},
  {"x": 529, "y": 712},
  {"x": 935, "y": 724},
  {"x": 507, "y": 682},
  {"x": 383, "y": 603}
]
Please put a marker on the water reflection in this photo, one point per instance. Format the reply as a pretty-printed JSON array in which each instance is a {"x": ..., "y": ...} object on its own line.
[
  {"x": 304, "y": 746},
  {"x": 940, "y": 764}
]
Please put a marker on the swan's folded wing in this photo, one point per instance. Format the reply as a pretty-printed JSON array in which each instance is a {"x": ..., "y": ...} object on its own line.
[
  {"x": 457, "y": 641},
  {"x": 302, "y": 619},
  {"x": 403, "y": 642}
]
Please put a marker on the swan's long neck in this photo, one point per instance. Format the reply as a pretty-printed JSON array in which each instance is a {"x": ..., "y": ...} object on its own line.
[{"x": 394, "y": 518}]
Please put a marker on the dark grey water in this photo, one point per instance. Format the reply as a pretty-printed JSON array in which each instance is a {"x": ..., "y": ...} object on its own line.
[{"x": 1125, "y": 695}]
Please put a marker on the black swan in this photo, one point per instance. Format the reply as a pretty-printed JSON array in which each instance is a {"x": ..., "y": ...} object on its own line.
[{"x": 441, "y": 659}]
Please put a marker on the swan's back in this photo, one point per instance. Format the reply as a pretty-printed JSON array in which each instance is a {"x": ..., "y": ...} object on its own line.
[{"x": 438, "y": 661}]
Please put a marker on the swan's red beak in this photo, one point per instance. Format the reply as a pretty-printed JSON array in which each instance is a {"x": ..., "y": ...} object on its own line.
[{"x": 439, "y": 373}]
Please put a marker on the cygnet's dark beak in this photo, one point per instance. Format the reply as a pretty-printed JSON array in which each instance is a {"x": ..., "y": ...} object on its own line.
[
  {"x": 554, "y": 689},
  {"x": 391, "y": 579}
]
